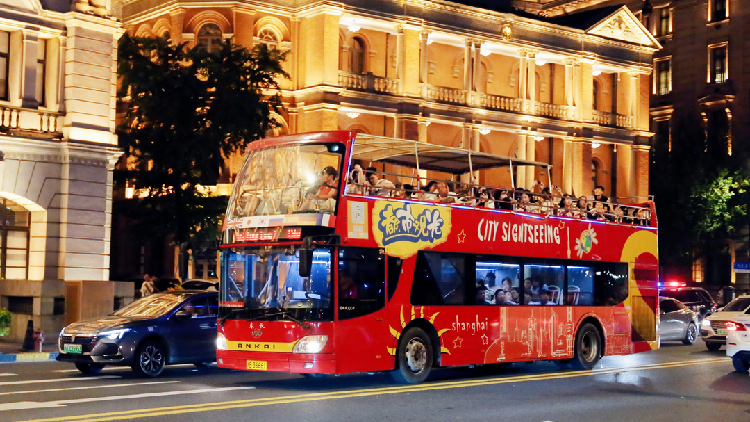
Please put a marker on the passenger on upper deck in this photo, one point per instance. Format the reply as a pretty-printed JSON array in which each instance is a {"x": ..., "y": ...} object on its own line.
[
  {"x": 380, "y": 187},
  {"x": 322, "y": 195},
  {"x": 443, "y": 193},
  {"x": 567, "y": 209},
  {"x": 503, "y": 200},
  {"x": 583, "y": 207},
  {"x": 483, "y": 200},
  {"x": 356, "y": 182},
  {"x": 599, "y": 194}
]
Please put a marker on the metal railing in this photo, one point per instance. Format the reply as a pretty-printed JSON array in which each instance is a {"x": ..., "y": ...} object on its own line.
[{"x": 368, "y": 82}]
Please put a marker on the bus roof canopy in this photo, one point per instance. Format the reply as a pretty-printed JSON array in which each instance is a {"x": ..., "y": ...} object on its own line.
[{"x": 409, "y": 153}]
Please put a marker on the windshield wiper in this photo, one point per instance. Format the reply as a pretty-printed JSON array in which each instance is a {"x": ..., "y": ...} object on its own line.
[
  {"x": 233, "y": 312},
  {"x": 282, "y": 312}
]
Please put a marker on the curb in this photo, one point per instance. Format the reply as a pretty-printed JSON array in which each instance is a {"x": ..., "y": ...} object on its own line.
[{"x": 28, "y": 357}]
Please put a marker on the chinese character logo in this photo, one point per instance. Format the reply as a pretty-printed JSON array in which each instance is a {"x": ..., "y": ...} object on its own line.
[{"x": 403, "y": 229}]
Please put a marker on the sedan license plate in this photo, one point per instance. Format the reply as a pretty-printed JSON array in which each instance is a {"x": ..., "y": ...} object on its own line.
[
  {"x": 72, "y": 348},
  {"x": 257, "y": 365},
  {"x": 721, "y": 332}
]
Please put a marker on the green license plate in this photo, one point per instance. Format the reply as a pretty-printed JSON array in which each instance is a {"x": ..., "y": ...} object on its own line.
[
  {"x": 72, "y": 348},
  {"x": 721, "y": 332}
]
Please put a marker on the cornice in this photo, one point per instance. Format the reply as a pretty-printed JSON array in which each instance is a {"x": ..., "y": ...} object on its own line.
[
  {"x": 493, "y": 18},
  {"x": 30, "y": 149}
]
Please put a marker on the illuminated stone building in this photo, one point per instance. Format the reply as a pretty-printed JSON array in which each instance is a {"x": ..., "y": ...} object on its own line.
[
  {"x": 57, "y": 151},
  {"x": 571, "y": 91}
]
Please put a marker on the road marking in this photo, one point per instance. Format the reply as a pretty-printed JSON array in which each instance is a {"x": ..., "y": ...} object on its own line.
[
  {"x": 8, "y": 374},
  {"x": 115, "y": 368},
  {"x": 443, "y": 385},
  {"x": 62, "y": 403},
  {"x": 53, "y": 380},
  {"x": 50, "y": 390}
]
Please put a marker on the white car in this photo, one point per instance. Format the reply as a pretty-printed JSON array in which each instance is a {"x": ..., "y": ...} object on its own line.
[
  {"x": 714, "y": 327},
  {"x": 738, "y": 342}
]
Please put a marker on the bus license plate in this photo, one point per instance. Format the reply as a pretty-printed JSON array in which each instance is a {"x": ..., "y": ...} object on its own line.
[
  {"x": 72, "y": 348},
  {"x": 721, "y": 332},
  {"x": 257, "y": 365}
]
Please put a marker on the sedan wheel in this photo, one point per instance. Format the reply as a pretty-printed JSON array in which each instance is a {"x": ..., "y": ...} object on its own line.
[
  {"x": 741, "y": 365},
  {"x": 690, "y": 334},
  {"x": 149, "y": 360},
  {"x": 89, "y": 368}
]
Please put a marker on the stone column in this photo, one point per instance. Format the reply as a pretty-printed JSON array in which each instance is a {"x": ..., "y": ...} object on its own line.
[
  {"x": 522, "y": 79},
  {"x": 531, "y": 64},
  {"x": 244, "y": 20},
  {"x": 423, "y": 62},
  {"x": 411, "y": 66},
  {"x": 521, "y": 154},
  {"x": 176, "y": 23},
  {"x": 641, "y": 173},
  {"x": 400, "y": 58},
  {"x": 633, "y": 98},
  {"x": 625, "y": 170},
  {"x": 531, "y": 156},
  {"x": 569, "y": 82},
  {"x": 568, "y": 166},
  {"x": 320, "y": 35},
  {"x": 477, "y": 58},
  {"x": 54, "y": 64},
  {"x": 467, "y": 65},
  {"x": 422, "y": 128}
]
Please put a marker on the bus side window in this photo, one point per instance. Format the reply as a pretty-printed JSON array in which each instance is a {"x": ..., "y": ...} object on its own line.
[
  {"x": 394, "y": 272},
  {"x": 439, "y": 279},
  {"x": 361, "y": 289}
]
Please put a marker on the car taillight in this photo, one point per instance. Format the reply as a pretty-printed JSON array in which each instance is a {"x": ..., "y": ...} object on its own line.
[{"x": 734, "y": 326}]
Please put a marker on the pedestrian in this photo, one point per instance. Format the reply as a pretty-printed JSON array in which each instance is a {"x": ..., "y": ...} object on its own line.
[{"x": 148, "y": 288}]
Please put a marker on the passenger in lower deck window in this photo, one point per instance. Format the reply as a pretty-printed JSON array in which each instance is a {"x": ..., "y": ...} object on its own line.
[
  {"x": 509, "y": 299},
  {"x": 546, "y": 298},
  {"x": 480, "y": 297}
]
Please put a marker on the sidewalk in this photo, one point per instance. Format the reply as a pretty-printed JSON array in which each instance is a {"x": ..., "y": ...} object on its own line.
[{"x": 13, "y": 352}]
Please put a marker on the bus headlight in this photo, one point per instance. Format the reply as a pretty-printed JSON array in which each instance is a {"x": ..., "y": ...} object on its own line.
[
  {"x": 221, "y": 342},
  {"x": 310, "y": 344}
]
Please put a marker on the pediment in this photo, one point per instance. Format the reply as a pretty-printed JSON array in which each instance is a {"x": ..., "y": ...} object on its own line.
[{"x": 622, "y": 25}]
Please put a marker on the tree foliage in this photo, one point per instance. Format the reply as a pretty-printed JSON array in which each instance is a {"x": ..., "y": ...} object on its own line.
[
  {"x": 700, "y": 190},
  {"x": 187, "y": 110}
]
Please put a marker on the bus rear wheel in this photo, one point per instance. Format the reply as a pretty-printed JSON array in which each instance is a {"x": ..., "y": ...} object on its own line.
[
  {"x": 414, "y": 357},
  {"x": 588, "y": 347}
]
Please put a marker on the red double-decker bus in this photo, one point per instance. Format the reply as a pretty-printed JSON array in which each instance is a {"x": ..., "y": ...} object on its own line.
[{"x": 345, "y": 252}]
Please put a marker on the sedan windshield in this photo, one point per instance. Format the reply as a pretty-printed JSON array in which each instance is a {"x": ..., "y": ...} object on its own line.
[
  {"x": 267, "y": 281},
  {"x": 152, "y": 306},
  {"x": 738, "y": 305}
]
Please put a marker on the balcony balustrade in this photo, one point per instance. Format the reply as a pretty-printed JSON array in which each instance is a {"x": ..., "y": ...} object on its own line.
[
  {"x": 368, "y": 82},
  {"x": 17, "y": 119}
]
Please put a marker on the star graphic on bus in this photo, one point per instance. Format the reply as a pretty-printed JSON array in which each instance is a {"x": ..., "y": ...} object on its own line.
[
  {"x": 457, "y": 342},
  {"x": 461, "y": 237},
  {"x": 485, "y": 339},
  {"x": 416, "y": 313}
]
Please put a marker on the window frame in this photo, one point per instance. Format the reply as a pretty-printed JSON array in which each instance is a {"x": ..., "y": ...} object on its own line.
[
  {"x": 712, "y": 16},
  {"x": 659, "y": 25},
  {"x": 41, "y": 79},
  {"x": 5, "y": 228},
  {"x": 210, "y": 47},
  {"x": 712, "y": 75},
  {"x": 6, "y": 56},
  {"x": 658, "y": 89},
  {"x": 362, "y": 53}
]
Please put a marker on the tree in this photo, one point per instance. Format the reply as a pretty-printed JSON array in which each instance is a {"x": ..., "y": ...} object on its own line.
[
  {"x": 700, "y": 192},
  {"x": 187, "y": 111}
]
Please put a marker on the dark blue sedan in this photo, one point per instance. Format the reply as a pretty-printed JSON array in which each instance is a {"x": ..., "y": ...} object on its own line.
[{"x": 161, "y": 329}]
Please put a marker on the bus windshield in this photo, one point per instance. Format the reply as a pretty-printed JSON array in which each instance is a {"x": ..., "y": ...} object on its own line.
[
  {"x": 287, "y": 179},
  {"x": 267, "y": 280}
]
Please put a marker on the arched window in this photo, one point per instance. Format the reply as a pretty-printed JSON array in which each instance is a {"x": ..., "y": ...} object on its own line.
[
  {"x": 594, "y": 173},
  {"x": 595, "y": 97},
  {"x": 209, "y": 37},
  {"x": 269, "y": 37},
  {"x": 15, "y": 222},
  {"x": 357, "y": 56}
]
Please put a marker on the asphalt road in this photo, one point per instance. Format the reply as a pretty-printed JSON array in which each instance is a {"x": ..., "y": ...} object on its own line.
[{"x": 675, "y": 383}]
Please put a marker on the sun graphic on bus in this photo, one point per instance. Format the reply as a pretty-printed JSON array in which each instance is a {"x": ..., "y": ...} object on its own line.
[
  {"x": 586, "y": 242},
  {"x": 415, "y": 313}
]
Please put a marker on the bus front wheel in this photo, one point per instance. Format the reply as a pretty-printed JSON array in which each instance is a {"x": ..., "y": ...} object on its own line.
[
  {"x": 588, "y": 347},
  {"x": 414, "y": 356}
]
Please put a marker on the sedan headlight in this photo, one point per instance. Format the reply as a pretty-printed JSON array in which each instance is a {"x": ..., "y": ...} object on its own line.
[
  {"x": 706, "y": 323},
  {"x": 114, "y": 334},
  {"x": 221, "y": 342},
  {"x": 310, "y": 344}
]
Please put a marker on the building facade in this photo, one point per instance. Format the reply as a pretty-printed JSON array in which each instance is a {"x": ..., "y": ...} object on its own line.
[
  {"x": 57, "y": 152},
  {"x": 570, "y": 92}
]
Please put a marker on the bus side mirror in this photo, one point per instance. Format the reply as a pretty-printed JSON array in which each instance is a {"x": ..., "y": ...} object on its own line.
[{"x": 306, "y": 258}]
